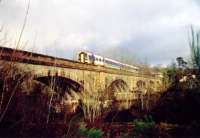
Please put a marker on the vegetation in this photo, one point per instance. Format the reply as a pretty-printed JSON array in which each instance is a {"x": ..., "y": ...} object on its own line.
[
  {"x": 195, "y": 49},
  {"x": 145, "y": 127},
  {"x": 90, "y": 133},
  {"x": 28, "y": 107},
  {"x": 24, "y": 103},
  {"x": 178, "y": 101},
  {"x": 91, "y": 105}
]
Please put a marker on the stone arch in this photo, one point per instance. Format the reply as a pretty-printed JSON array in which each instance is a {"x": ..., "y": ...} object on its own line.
[
  {"x": 61, "y": 84},
  {"x": 158, "y": 85},
  {"x": 152, "y": 84},
  {"x": 140, "y": 84},
  {"x": 65, "y": 100},
  {"x": 118, "y": 85}
]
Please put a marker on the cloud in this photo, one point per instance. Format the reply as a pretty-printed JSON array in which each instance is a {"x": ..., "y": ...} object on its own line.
[{"x": 133, "y": 29}]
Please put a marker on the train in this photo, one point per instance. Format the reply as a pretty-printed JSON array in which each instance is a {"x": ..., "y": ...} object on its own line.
[{"x": 90, "y": 58}]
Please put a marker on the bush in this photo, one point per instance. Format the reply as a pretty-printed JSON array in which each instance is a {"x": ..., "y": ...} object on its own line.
[
  {"x": 144, "y": 127},
  {"x": 82, "y": 130},
  {"x": 90, "y": 133},
  {"x": 95, "y": 133}
]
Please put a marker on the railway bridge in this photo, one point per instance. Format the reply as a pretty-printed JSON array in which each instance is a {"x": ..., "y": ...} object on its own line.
[{"x": 76, "y": 76}]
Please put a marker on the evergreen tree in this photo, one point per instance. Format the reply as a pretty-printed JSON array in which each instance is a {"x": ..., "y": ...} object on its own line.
[{"x": 195, "y": 48}]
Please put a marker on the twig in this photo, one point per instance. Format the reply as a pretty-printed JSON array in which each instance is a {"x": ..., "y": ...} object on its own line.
[
  {"x": 49, "y": 109},
  {"x": 24, "y": 25},
  {"x": 52, "y": 86},
  {"x": 70, "y": 123},
  {"x": 12, "y": 94}
]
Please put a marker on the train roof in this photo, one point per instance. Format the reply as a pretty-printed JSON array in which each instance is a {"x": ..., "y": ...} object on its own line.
[
  {"x": 90, "y": 53},
  {"x": 83, "y": 52},
  {"x": 112, "y": 60}
]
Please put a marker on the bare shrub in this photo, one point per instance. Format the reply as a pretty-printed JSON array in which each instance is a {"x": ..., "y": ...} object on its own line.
[
  {"x": 92, "y": 105},
  {"x": 11, "y": 78},
  {"x": 26, "y": 104}
]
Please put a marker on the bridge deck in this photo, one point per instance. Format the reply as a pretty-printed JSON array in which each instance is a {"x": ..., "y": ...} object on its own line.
[{"x": 9, "y": 54}]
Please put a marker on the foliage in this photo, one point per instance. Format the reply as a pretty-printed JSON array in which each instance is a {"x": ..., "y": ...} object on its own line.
[
  {"x": 144, "y": 127},
  {"x": 95, "y": 133},
  {"x": 195, "y": 48},
  {"x": 169, "y": 75},
  {"x": 90, "y": 133},
  {"x": 181, "y": 62},
  {"x": 181, "y": 78},
  {"x": 83, "y": 130},
  {"x": 123, "y": 135}
]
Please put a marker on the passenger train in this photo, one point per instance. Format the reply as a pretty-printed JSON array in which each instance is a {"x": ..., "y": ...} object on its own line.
[{"x": 90, "y": 58}]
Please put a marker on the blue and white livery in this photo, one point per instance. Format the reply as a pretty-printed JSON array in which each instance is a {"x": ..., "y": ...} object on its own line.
[{"x": 90, "y": 58}]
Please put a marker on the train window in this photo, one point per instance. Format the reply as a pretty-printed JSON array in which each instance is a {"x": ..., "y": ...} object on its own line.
[{"x": 91, "y": 57}]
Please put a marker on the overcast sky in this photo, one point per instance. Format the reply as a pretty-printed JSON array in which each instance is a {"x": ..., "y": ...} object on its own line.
[{"x": 155, "y": 31}]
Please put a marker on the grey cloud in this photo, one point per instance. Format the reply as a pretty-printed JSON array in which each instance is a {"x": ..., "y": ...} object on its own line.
[
  {"x": 128, "y": 30},
  {"x": 156, "y": 48}
]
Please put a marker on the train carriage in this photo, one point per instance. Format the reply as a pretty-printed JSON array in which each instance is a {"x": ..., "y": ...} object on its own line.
[{"x": 90, "y": 58}]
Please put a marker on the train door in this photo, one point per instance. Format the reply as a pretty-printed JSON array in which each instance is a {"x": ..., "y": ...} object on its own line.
[{"x": 82, "y": 57}]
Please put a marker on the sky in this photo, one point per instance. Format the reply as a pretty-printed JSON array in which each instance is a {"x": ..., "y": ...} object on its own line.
[{"x": 151, "y": 31}]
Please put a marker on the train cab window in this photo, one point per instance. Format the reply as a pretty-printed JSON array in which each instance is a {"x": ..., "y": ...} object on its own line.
[{"x": 85, "y": 57}]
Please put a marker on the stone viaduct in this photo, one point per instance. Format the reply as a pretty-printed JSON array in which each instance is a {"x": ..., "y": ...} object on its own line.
[{"x": 82, "y": 77}]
